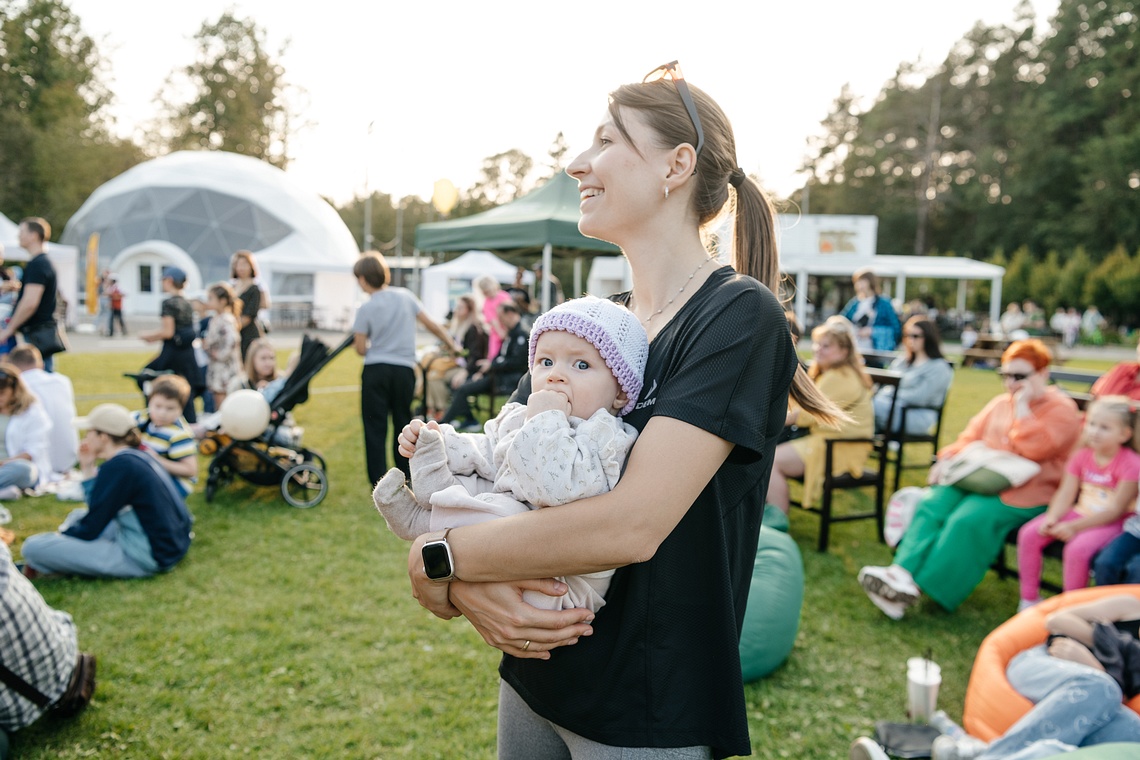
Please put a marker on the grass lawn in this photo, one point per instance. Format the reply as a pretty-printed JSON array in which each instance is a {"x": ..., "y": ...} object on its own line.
[{"x": 290, "y": 633}]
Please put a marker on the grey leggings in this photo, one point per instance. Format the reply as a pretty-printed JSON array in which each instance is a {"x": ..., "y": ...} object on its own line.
[{"x": 524, "y": 735}]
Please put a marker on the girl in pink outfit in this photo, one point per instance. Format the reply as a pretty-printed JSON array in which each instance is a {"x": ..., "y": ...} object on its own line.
[
  {"x": 1090, "y": 505},
  {"x": 493, "y": 295}
]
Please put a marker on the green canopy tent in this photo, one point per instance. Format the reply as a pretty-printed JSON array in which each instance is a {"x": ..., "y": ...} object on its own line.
[{"x": 544, "y": 219}]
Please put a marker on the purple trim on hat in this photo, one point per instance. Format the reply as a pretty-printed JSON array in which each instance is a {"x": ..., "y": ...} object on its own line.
[{"x": 589, "y": 329}]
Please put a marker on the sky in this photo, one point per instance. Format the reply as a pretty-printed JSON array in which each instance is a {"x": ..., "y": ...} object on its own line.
[{"x": 446, "y": 83}]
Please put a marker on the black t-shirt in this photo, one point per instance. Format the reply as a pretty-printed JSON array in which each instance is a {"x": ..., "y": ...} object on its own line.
[
  {"x": 179, "y": 309},
  {"x": 39, "y": 271},
  {"x": 662, "y": 668}
]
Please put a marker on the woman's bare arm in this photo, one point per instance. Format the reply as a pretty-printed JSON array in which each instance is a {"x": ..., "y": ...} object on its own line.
[
  {"x": 670, "y": 465},
  {"x": 1077, "y": 622}
]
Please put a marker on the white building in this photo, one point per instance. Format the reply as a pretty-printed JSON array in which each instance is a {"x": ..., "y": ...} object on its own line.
[{"x": 194, "y": 209}]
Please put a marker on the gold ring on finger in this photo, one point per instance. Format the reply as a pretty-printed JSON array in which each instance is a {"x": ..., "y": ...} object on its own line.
[{"x": 526, "y": 645}]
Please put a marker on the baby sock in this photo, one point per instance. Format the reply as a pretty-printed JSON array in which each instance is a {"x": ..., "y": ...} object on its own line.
[
  {"x": 430, "y": 471},
  {"x": 396, "y": 502}
]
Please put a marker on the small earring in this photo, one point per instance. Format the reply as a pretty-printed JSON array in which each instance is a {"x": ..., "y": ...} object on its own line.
[{"x": 666, "y": 192}]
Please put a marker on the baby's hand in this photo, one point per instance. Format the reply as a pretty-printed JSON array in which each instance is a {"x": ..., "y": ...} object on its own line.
[
  {"x": 545, "y": 401},
  {"x": 411, "y": 433}
]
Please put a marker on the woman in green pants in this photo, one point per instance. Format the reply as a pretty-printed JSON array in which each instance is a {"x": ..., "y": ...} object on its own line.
[{"x": 955, "y": 534}]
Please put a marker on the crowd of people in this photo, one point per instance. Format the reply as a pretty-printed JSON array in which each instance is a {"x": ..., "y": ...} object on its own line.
[{"x": 676, "y": 456}]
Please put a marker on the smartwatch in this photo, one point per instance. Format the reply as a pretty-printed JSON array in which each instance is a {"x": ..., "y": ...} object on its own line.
[{"x": 439, "y": 565}]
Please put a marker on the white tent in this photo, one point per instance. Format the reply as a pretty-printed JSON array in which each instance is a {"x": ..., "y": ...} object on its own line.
[
  {"x": 193, "y": 209},
  {"x": 443, "y": 283},
  {"x": 63, "y": 257},
  {"x": 828, "y": 245}
]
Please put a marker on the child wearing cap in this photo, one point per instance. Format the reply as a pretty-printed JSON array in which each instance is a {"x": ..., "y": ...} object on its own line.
[
  {"x": 568, "y": 442},
  {"x": 136, "y": 523}
]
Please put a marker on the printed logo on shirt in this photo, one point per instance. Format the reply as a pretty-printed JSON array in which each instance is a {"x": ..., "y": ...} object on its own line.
[{"x": 650, "y": 397}]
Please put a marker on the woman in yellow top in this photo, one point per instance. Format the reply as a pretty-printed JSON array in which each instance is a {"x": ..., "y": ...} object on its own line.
[{"x": 837, "y": 370}]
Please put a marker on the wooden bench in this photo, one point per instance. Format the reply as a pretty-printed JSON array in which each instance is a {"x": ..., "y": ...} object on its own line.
[{"x": 973, "y": 356}]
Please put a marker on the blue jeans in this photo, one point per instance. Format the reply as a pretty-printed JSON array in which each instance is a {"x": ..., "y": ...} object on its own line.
[
  {"x": 1119, "y": 562},
  {"x": 18, "y": 472},
  {"x": 101, "y": 558},
  {"x": 1075, "y": 706}
]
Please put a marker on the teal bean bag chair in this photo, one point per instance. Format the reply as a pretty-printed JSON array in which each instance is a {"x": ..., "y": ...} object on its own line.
[{"x": 774, "y": 599}]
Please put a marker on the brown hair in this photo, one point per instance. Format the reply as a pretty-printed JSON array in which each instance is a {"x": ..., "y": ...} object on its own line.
[
  {"x": 254, "y": 348},
  {"x": 37, "y": 225},
  {"x": 867, "y": 276},
  {"x": 26, "y": 356},
  {"x": 22, "y": 398},
  {"x": 132, "y": 438},
  {"x": 842, "y": 333},
  {"x": 931, "y": 342},
  {"x": 173, "y": 387},
  {"x": 224, "y": 292},
  {"x": 754, "y": 224},
  {"x": 247, "y": 256},
  {"x": 373, "y": 268}
]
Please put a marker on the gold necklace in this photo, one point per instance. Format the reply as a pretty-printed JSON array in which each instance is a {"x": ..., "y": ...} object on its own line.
[{"x": 679, "y": 292}]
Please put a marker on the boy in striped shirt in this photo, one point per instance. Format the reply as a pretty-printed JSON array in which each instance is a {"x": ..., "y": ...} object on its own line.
[{"x": 165, "y": 433}]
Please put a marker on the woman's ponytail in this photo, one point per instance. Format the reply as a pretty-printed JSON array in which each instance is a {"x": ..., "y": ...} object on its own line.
[{"x": 754, "y": 254}]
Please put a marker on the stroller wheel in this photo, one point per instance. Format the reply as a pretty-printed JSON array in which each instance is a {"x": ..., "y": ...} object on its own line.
[{"x": 304, "y": 485}]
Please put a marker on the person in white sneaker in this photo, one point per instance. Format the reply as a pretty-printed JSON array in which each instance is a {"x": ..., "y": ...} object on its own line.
[{"x": 955, "y": 534}]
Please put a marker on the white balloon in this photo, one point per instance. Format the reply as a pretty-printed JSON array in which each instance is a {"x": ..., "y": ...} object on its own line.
[{"x": 245, "y": 414}]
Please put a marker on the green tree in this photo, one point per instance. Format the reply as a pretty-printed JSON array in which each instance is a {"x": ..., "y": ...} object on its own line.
[
  {"x": 1044, "y": 279},
  {"x": 54, "y": 144},
  {"x": 237, "y": 95},
  {"x": 558, "y": 159},
  {"x": 1074, "y": 274},
  {"x": 1015, "y": 284},
  {"x": 502, "y": 178}
]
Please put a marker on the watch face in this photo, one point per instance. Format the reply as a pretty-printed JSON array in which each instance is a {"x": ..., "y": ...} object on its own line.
[{"x": 437, "y": 560}]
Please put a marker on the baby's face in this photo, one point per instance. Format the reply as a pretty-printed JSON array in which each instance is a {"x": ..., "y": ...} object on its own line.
[{"x": 570, "y": 365}]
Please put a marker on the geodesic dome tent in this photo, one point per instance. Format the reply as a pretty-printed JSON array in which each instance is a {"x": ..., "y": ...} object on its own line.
[{"x": 193, "y": 209}]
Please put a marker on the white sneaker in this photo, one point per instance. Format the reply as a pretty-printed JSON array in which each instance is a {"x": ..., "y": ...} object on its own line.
[
  {"x": 893, "y": 610},
  {"x": 949, "y": 748},
  {"x": 865, "y": 748},
  {"x": 1024, "y": 604},
  {"x": 891, "y": 583}
]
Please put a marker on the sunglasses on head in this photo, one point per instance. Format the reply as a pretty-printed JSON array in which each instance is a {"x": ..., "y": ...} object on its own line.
[
  {"x": 1016, "y": 377},
  {"x": 673, "y": 71}
]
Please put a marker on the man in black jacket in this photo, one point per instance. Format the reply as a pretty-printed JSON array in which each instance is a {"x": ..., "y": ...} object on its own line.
[{"x": 502, "y": 373}]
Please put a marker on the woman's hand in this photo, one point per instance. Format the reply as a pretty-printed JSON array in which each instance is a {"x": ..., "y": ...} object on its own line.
[
  {"x": 411, "y": 433},
  {"x": 498, "y": 612},
  {"x": 458, "y": 379},
  {"x": 935, "y": 472}
]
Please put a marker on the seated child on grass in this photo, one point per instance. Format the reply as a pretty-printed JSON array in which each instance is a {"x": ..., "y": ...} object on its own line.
[
  {"x": 165, "y": 433},
  {"x": 1090, "y": 505},
  {"x": 587, "y": 357}
]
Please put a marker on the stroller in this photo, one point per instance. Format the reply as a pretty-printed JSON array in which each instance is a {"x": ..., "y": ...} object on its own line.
[{"x": 276, "y": 457}]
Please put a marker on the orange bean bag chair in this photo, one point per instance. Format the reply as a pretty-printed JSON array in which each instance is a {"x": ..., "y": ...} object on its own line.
[{"x": 992, "y": 705}]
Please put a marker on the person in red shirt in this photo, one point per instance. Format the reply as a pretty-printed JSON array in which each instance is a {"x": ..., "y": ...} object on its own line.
[{"x": 115, "y": 293}]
